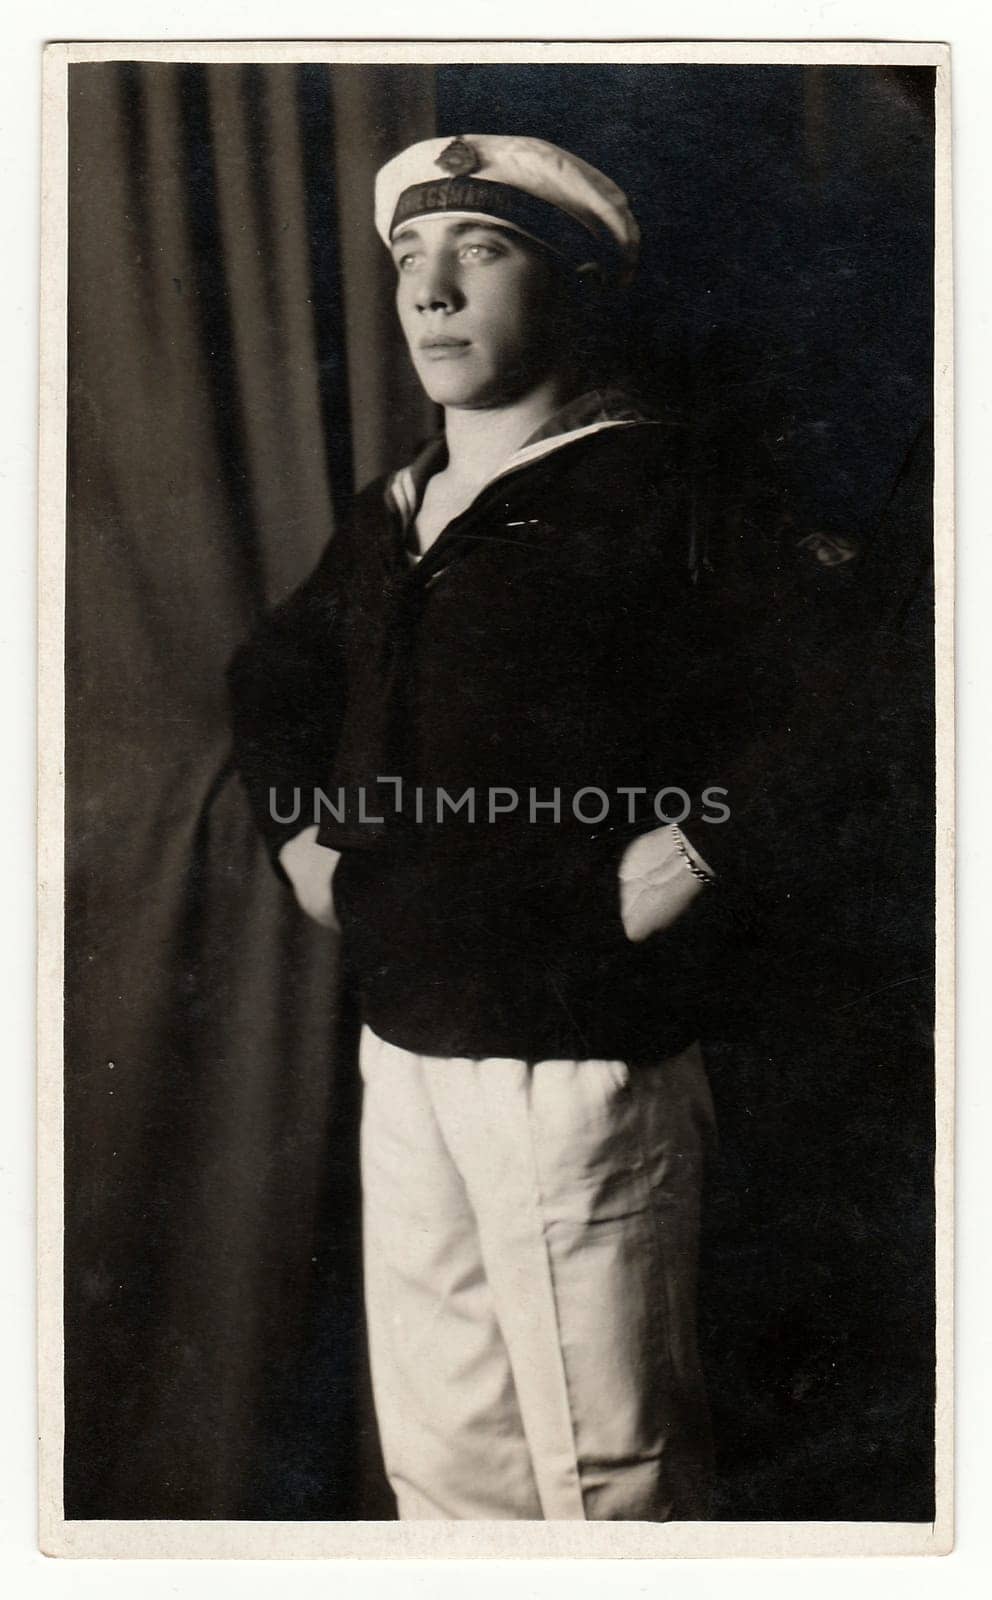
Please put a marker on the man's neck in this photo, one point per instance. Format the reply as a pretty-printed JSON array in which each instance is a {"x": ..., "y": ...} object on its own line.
[{"x": 480, "y": 441}]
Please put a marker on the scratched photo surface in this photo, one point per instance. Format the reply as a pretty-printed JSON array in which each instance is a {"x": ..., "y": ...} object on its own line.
[{"x": 237, "y": 373}]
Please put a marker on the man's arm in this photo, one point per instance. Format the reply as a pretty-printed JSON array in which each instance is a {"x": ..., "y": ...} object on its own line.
[
  {"x": 814, "y": 616},
  {"x": 287, "y": 688}
]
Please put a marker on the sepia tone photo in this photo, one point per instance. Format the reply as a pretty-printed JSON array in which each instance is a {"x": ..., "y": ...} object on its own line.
[{"x": 495, "y": 976}]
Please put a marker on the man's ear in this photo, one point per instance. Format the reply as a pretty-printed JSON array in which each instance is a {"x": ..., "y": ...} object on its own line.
[
  {"x": 590, "y": 276},
  {"x": 588, "y": 288}
]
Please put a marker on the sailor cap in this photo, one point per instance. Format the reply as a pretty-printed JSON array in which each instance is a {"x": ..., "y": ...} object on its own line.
[{"x": 526, "y": 184}]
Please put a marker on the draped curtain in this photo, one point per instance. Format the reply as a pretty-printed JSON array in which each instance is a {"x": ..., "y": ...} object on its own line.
[{"x": 233, "y": 373}]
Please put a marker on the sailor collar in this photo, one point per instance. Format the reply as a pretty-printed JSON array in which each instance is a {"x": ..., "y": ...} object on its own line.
[{"x": 587, "y": 413}]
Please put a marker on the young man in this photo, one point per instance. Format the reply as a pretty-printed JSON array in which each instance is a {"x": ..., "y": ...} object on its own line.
[{"x": 508, "y": 690}]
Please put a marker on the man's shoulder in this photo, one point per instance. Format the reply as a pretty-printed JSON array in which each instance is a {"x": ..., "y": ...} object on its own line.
[
  {"x": 623, "y": 473},
  {"x": 597, "y": 463},
  {"x": 651, "y": 447}
]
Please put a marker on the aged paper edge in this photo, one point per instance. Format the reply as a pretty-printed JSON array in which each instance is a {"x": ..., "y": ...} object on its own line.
[
  {"x": 386, "y": 1540},
  {"x": 490, "y": 1540},
  {"x": 51, "y": 782},
  {"x": 801, "y": 52}
]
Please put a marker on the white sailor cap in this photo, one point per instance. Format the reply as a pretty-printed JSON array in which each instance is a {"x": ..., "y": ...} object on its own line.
[{"x": 526, "y": 184}]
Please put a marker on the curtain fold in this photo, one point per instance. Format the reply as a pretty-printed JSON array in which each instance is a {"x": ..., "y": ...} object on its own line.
[
  {"x": 376, "y": 114},
  {"x": 214, "y": 1350}
]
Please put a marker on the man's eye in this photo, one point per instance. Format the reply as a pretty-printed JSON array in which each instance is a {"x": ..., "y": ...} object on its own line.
[
  {"x": 480, "y": 252},
  {"x": 405, "y": 263}
]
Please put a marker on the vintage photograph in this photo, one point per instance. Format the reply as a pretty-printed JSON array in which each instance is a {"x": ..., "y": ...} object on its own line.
[{"x": 497, "y": 1078}]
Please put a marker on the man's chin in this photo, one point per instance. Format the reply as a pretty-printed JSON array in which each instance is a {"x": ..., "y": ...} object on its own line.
[
  {"x": 455, "y": 393},
  {"x": 453, "y": 390}
]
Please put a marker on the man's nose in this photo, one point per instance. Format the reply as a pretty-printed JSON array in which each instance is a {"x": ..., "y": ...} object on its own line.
[{"x": 438, "y": 289}]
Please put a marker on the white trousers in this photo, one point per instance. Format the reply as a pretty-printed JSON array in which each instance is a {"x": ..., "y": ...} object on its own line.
[{"x": 530, "y": 1282}]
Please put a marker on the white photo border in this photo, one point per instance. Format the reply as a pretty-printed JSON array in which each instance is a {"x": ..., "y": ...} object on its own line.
[{"x": 378, "y": 1540}]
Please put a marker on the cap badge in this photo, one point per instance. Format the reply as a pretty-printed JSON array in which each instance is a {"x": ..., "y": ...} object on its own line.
[{"x": 458, "y": 158}]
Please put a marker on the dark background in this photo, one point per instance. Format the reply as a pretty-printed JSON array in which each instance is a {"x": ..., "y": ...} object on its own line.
[{"x": 234, "y": 372}]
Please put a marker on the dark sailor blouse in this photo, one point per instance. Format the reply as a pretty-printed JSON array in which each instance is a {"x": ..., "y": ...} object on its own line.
[{"x": 558, "y": 644}]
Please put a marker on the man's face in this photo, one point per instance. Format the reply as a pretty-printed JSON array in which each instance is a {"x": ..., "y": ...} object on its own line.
[{"x": 477, "y": 305}]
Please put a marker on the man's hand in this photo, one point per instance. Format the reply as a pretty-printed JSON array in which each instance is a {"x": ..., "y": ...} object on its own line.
[
  {"x": 309, "y": 866},
  {"x": 656, "y": 884}
]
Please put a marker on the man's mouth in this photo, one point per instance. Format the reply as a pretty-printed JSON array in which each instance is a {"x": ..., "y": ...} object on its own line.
[{"x": 440, "y": 347}]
